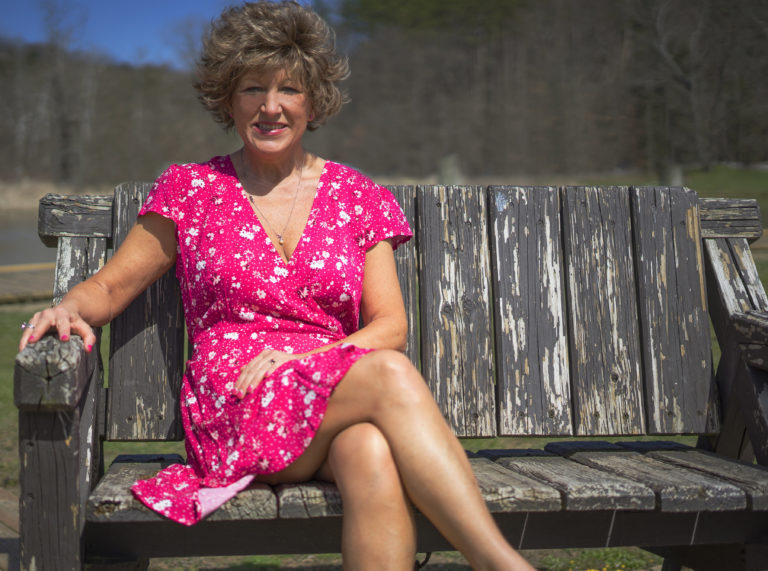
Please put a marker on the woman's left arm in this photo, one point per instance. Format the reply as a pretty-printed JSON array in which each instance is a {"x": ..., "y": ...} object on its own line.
[{"x": 381, "y": 305}]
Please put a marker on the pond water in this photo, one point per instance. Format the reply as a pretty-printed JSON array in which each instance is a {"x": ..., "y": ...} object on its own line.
[{"x": 19, "y": 242}]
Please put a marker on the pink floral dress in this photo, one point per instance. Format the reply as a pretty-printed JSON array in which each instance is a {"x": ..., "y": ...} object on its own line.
[{"x": 240, "y": 297}]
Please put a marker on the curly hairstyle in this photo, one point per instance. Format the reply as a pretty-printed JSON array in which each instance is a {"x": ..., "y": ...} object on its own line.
[{"x": 268, "y": 36}]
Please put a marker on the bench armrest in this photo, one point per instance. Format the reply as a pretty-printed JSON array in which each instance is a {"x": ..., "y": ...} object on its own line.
[
  {"x": 51, "y": 375},
  {"x": 751, "y": 330}
]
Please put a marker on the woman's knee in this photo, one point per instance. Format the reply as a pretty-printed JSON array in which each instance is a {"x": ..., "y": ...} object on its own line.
[
  {"x": 391, "y": 376},
  {"x": 360, "y": 449}
]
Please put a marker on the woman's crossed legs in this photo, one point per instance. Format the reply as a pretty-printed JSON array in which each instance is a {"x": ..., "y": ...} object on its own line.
[{"x": 383, "y": 441}]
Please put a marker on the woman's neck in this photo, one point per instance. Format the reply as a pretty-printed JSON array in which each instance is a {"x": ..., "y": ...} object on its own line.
[{"x": 270, "y": 173}]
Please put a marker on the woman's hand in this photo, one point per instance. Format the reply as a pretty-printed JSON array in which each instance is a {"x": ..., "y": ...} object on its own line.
[
  {"x": 64, "y": 320},
  {"x": 259, "y": 367}
]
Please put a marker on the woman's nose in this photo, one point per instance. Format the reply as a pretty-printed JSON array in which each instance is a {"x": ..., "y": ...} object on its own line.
[{"x": 271, "y": 104}]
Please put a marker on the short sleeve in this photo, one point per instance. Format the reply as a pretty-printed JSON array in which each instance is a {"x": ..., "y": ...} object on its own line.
[
  {"x": 163, "y": 197},
  {"x": 382, "y": 219}
]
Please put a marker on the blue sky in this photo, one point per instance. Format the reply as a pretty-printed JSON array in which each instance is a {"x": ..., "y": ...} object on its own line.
[{"x": 133, "y": 31}]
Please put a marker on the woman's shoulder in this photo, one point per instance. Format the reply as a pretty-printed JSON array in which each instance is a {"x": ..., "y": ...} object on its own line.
[
  {"x": 347, "y": 177},
  {"x": 209, "y": 169}
]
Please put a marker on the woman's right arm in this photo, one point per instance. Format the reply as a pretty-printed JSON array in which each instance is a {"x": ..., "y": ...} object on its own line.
[{"x": 145, "y": 255}]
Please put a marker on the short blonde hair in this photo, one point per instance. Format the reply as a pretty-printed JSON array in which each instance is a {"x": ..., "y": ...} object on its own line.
[{"x": 270, "y": 36}]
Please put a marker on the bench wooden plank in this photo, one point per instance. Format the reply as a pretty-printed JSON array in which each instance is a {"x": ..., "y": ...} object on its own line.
[
  {"x": 582, "y": 487},
  {"x": 454, "y": 286},
  {"x": 502, "y": 489},
  {"x": 77, "y": 259},
  {"x": 751, "y": 331},
  {"x": 113, "y": 502},
  {"x": 86, "y": 216},
  {"x": 147, "y": 348},
  {"x": 533, "y": 382},
  {"x": 677, "y": 489},
  {"x": 604, "y": 337},
  {"x": 724, "y": 281},
  {"x": 730, "y": 218},
  {"x": 745, "y": 263},
  {"x": 407, "y": 272},
  {"x": 308, "y": 500},
  {"x": 673, "y": 310},
  {"x": 751, "y": 478},
  {"x": 508, "y": 491}
]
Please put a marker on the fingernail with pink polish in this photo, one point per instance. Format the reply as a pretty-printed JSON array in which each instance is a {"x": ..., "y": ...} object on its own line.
[
  {"x": 65, "y": 337},
  {"x": 31, "y": 338},
  {"x": 250, "y": 389},
  {"x": 88, "y": 348}
]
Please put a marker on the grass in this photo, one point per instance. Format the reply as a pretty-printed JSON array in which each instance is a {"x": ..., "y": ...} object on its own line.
[{"x": 718, "y": 182}]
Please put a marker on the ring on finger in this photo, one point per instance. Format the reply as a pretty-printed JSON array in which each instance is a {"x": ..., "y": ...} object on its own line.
[
  {"x": 27, "y": 325},
  {"x": 272, "y": 361}
]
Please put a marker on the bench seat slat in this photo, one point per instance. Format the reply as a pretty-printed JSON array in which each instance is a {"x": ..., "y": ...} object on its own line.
[
  {"x": 604, "y": 337},
  {"x": 752, "y": 479},
  {"x": 677, "y": 489},
  {"x": 505, "y": 490},
  {"x": 112, "y": 500},
  {"x": 583, "y": 488},
  {"x": 533, "y": 382},
  {"x": 308, "y": 500}
]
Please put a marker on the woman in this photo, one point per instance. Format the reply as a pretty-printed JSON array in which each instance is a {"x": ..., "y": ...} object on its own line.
[{"x": 278, "y": 252}]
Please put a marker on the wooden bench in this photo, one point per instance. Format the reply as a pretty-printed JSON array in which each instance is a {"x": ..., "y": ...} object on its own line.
[{"x": 534, "y": 311}]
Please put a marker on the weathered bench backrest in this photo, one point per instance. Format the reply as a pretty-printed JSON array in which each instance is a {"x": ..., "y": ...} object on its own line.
[{"x": 533, "y": 310}]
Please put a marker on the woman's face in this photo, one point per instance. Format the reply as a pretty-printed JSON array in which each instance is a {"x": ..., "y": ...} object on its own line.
[{"x": 271, "y": 111}]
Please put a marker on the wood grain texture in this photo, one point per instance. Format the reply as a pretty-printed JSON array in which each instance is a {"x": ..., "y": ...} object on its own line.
[
  {"x": 751, "y": 333},
  {"x": 533, "y": 389},
  {"x": 677, "y": 489},
  {"x": 146, "y": 349},
  {"x": 745, "y": 264},
  {"x": 112, "y": 500},
  {"x": 57, "y": 451},
  {"x": 86, "y": 216},
  {"x": 407, "y": 271},
  {"x": 752, "y": 479},
  {"x": 583, "y": 488},
  {"x": 724, "y": 282},
  {"x": 506, "y": 491},
  {"x": 51, "y": 375},
  {"x": 604, "y": 339},
  {"x": 308, "y": 500},
  {"x": 673, "y": 309},
  {"x": 730, "y": 218},
  {"x": 77, "y": 259},
  {"x": 454, "y": 301},
  {"x": 751, "y": 393}
]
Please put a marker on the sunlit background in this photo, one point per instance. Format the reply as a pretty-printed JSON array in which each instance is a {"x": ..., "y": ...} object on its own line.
[
  {"x": 98, "y": 92},
  {"x": 95, "y": 91}
]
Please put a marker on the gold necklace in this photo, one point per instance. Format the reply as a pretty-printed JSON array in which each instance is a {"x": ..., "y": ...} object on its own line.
[{"x": 256, "y": 206}]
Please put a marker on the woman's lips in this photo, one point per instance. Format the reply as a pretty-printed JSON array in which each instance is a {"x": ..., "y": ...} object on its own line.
[{"x": 270, "y": 128}]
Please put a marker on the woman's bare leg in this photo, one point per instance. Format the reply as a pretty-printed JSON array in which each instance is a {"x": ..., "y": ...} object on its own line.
[
  {"x": 378, "y": 528},
  {"x": 384, "y": 388}
]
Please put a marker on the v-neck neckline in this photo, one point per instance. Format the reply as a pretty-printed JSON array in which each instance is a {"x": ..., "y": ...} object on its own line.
[{"x": 243, "y": 201}]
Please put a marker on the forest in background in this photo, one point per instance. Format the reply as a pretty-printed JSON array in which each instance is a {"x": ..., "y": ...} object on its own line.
[{"x": 486, "y": 88}]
